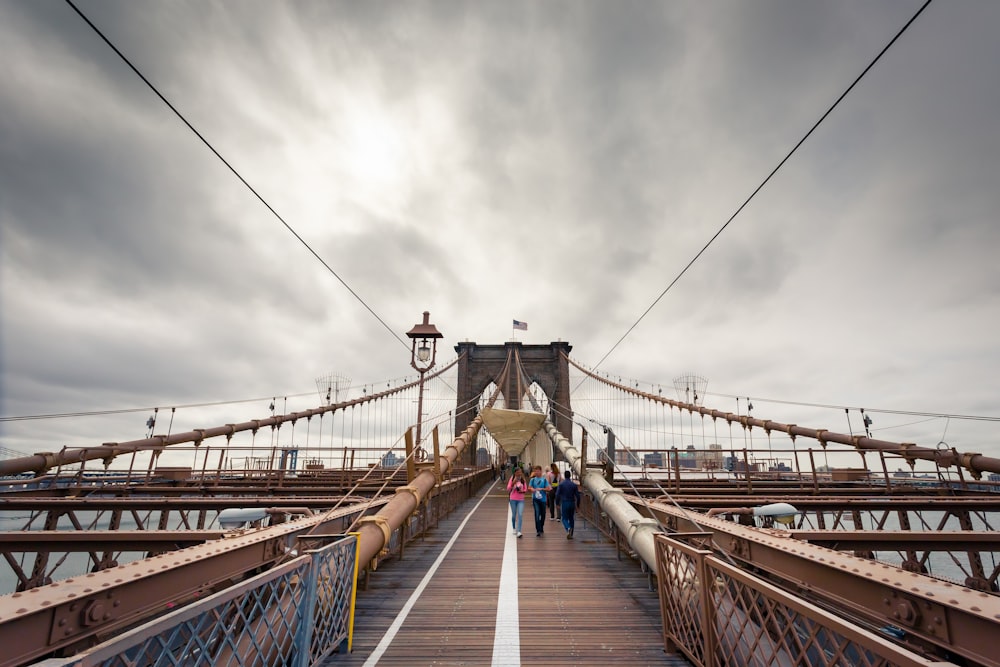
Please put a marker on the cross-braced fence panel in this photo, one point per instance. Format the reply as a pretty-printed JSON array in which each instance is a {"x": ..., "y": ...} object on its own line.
[
  {"x": 718, "y": 614},
  {"x": 293, "y": 615}
]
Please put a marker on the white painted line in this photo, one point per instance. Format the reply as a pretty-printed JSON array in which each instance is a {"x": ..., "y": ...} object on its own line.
[
  {"x": 507, "y": 635},
  {"x": 390, "y": 634}
]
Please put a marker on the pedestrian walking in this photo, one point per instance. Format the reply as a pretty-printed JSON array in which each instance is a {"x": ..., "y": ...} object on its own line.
[
  {"x": 568, "y": 496},
  {"x": 517, "y": 488},
  {"x": 552, "y": 474},
  {"x": 539, "y": 490}
]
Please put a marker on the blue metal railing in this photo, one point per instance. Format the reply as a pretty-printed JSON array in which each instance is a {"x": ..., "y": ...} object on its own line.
[{"x": 293, "y": 615}]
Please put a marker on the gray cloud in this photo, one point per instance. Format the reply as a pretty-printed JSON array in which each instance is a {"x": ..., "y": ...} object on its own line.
[{"x": 558, "y": 162}]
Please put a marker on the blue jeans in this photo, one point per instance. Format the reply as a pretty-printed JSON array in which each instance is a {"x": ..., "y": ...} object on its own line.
[
  {"x": 568, "y": 515},
  {"x": 516, "y": 514},
  {"x": 539, "y": 506}
]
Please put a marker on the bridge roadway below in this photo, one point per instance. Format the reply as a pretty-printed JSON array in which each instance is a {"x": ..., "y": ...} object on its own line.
[{"x": 575, "y": 602}]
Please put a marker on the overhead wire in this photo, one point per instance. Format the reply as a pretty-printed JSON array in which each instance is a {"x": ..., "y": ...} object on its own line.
[
  {"x": 122, "y": 411},
  {"x": 235, "y": 172},
  {"x": 764, "y": 182},
  {"x": 885, "y": 411},
  {"x": 624, "y": 475}
]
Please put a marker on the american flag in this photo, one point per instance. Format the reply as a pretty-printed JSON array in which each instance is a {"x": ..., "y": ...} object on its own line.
[{"x": 521, "y": 326}]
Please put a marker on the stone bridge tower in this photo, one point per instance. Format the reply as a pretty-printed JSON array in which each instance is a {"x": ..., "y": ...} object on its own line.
[{"x": 479, "y": 365}]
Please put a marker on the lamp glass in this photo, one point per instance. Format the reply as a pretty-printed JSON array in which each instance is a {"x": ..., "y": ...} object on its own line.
[{"x": 423, "y": 351}]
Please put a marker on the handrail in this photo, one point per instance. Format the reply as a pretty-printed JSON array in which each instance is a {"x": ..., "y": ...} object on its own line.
[{"x": 638, "y": 530}]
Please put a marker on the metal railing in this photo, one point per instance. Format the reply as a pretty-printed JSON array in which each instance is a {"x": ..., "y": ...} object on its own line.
[
  {"x": 718, "y": 614},
  {"x": 293, "y": 615},
  {"x": 430, "y": 512}
]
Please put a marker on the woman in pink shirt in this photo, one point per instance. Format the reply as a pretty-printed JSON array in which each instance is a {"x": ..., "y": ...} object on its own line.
[{"x": 517, "y": 486}]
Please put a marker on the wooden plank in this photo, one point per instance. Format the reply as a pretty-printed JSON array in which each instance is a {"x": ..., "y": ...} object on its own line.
[{"x": 578, "y": 604}]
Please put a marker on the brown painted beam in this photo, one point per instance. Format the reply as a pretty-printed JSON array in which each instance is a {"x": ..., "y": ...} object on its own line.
[
  {"x": 62, "y": 541},
  {"x": 885, "y": 504},
  {"x": 44, "y": 619},
  {"x": 900, "y": 540},
  {"x": 153, "y": 503},
  {"x": 956, "y": 618}
]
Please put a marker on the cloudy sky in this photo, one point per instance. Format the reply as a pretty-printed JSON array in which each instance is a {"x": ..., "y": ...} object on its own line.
[{"x": 554, "y": 162}]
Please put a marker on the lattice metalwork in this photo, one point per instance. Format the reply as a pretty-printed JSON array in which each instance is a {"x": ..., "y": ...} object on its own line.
[
  {"x": 333, "y": 571},
  {"x": 255, "y": 627},
  {"x": 293, "y": 615},
  {"x": 680, "y": 602},
  {"x": 718, "y": 614}
]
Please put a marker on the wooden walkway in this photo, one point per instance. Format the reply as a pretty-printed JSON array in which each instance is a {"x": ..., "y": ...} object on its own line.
[{"x": 575, "y": 603}]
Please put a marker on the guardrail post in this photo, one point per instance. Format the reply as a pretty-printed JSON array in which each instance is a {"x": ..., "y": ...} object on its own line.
[
  {"x": 708, "y": 611},
  {"x": 304, "y": 633}
]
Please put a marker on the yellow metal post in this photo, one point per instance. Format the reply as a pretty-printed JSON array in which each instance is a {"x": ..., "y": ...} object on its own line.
[{"x": 411, "y": 468}]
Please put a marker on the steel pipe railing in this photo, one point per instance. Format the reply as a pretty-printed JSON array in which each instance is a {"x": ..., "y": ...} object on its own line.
[
  {"x": 375, "y": 530},
  {"x": 637, "y": 529}
]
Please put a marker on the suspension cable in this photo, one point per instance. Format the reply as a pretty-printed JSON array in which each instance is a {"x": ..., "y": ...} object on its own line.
[
  {"x": 764, "y": 182},
  {"x": 236, "y": 173}
]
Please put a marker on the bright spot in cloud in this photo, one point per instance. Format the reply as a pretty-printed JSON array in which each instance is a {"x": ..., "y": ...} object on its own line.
[{"x": 374, "y": 151}]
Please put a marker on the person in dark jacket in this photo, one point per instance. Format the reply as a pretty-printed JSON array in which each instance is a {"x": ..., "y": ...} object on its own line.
[{"x": 568, "y": 497}]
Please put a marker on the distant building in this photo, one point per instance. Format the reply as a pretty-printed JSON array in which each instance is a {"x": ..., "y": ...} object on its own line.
[
  {"x": 654, "y": 459},
  {"x": 626, "y": 458},
  {"x": 740, "y": 466},
  {"x": 696, "y": 459},
  {"x": 390, "y": 460}
]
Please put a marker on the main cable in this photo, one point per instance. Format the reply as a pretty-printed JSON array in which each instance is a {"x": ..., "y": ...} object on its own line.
[
  {"x": 764, "y": 182},
  {"x": 235, "y": 173},
  {"x": 123, "y": 411},
  {"x": 884, "y": 411}
]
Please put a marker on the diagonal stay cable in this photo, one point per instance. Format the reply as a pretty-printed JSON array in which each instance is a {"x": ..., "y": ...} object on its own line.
[
  {"x": 764, "y": 182},
  {"x": 235, "y": 172},
  {"x": 621, "y": 472}
]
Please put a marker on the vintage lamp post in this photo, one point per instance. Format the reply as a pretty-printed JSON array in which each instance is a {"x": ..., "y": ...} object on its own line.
[{"x": 423, "y": 354}]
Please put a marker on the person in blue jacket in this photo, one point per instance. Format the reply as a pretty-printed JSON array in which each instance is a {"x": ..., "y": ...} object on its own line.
[
  {"x": 568, "y": 497},
  {"x": 539, "y": 490}
]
